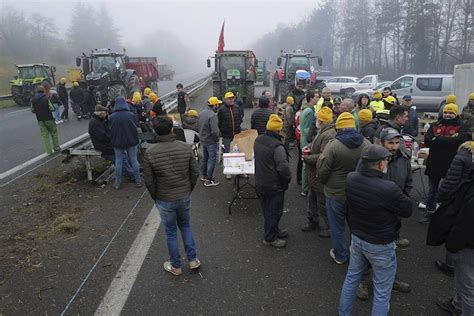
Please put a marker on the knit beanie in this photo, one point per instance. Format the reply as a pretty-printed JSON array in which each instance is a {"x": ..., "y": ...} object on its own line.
[
  {"x": 325, "y": 115},
  {"x": 147, "y": 92},
  {"x": 451, "y": 99},
  {"x": 345, "y": 120},
  {"x": 274, "y": 124},
  {"x": 471, "y": 96},
  {"x": 153, "y": 97},
  {"x": 451, "y": 107},
  {"x": 193, "y": 113},
  {"x": 290, "y": 100},
  {"x": 365, "y": 115}
]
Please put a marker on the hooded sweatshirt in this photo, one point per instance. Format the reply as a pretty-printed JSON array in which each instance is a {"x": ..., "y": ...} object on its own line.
[{"x": 123, "y": 125}]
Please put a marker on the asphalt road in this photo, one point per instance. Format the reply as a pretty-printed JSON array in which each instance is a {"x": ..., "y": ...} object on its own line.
[{"x": 20, "y": 140}]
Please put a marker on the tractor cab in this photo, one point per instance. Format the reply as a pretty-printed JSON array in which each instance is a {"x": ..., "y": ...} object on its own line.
[{"x": 29, "y": 76}]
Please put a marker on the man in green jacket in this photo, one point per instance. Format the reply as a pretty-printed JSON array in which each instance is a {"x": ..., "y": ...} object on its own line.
[
  {"x": 467, "y": 114},
  {"x": 171, "y": 172},
  {"x": 42, "y": 107},
  {"x": 340, "y": 157}
]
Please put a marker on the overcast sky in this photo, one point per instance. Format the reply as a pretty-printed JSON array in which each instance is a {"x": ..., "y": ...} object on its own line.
[{"x": 196, "y": 23}]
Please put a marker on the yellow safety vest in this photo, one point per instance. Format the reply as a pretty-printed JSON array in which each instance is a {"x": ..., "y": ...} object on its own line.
[
  {"x": 319, "y": 105},
  {"x": 377, "y": 105}
]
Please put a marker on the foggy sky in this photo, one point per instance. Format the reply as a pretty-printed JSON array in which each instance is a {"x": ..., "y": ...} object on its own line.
[{"x": 196, "y": 23}]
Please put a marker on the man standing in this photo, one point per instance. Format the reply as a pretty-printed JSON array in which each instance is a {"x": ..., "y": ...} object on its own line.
[
  {"x": 443, "y": 139},
  {"x": 467, "y": 114},
  {"x": 42, "y": 107},
  {"x": 184, "y": 104},
  {"x": 289, "y": 122},
  {"x": 307, "y": 121},
  {"x": 272, "y": 175},
  {"x": 325, "y": 96},
  {"x": 338, "y": 159},
  {"x": 171, "y": 172},
  {"x": 398, "y": 117},
  {"x": 230, "y": 119},
  {"x": 260, "y": 116},
  {"x": 209, "y": 139},
  {"x": 317, "y": 215},
  {"x": 374, "y": 207},
  {"x": 77, "y": 99},
  {"x": 377, "y": 103},
  {"x": 412, "y": 125},
  {"x": 368, "y": 126},
  {"x": 124, "y": 138},
  {"x": 64, "y": 97}
]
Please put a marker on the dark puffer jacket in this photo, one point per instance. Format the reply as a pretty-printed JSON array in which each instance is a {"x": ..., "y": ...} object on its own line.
[
  {"x": 170, "y": 169},
  {"x": 399, "y": 171},
  {"x": 100, "y": 135},
  {"x": 259, "y": 119},
  {"x": 63, "y": 95},
  {"x": 77, "y": 95},
  {"x": 462, "y": 235},
  {"x": 374, "y": 206},
  {"x": 230, "y": 119},
  {"x": 443, "y": 138},
  {"x": 460, "y": 171},
  {"x": 272, "y": 172},
  {"x": 369, "y": 130},
  {"x": 123, "y": 125},
  {"x": 41, "y": 106},
  {"x": 191, "y": 122}
]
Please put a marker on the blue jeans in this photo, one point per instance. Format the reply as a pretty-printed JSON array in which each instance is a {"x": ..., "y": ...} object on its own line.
[
  {"x": 209, "y": 160},
  {"x": 174, "y": 213},
  {"x": 336, "y": 211},
  {"x": 226, "y": 142},
  {"x": 464, "y": 279},
  {"x": 120, "y": 154},
  {"x": 384, "y": 266},
  {"x": 56, "y": 114},
  {"x": 127, "y": 170}
]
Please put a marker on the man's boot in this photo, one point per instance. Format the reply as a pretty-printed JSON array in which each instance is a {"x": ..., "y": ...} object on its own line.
[
  {"x": 447, "y": 305},
  {"x": 400, "y": 286},
  {"x": 363, "y": 292},
  {"x": 426, "y": 218},
  {"x": 310, "y": 226}
]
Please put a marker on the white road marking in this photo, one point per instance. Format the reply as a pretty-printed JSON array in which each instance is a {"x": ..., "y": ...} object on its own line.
[
  {"x": 36, "y": 159},
  {"x": 17, "y": 111},
  {"x": 119, "y": 290}
]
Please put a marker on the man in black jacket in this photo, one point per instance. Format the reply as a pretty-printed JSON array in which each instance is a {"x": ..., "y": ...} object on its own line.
[
  {"x": 64, "y": 97},
  {"x": 42, "y": 107},
  {"x": 272, "y": 175},
  {"x": 374, "y": 207},
  {"x": 230, "y": 119},
  {"x": 77, "y": 99},
  {"x": 260, "y": 116}
]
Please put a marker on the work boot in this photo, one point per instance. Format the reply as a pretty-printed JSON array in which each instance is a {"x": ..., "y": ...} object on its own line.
[
  {"x": 426, "y": 218},
  {"x": 402, "y": 243},
  {"x": 310, "y": 226},
  {"x": 277, "y": 243},
  {"x": 282, "y": 233},
  {"x": 400, "y": 286},
  {"x": 324, "y": 233},
  {"x": 443, "y": 267},
  {"x": 447, "y": 305},
  {"x": 363, "y": 292}
]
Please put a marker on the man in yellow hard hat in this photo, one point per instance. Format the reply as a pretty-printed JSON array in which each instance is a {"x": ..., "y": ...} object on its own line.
[
  {"x": 289, "y": 121},
  {"x": 77, "y": 100},
  {"x": 230, "y": 119},
  {"x": 146, "y": 102},
  {"x": 209, "y": 140},
  {"x": 377, "y": 103},
  {"x": 64, "y": 98}
]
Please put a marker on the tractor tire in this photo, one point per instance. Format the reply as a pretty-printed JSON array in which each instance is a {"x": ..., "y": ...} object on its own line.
[
  {"x": 216, "y": 89},
  {"x": 283, "y": 91},
  {"x": 133, "y": 84},
  {"x": 116, "y": 90},
  {"x": 249, "y": 94},
  {"x": 18, "y": 96}
]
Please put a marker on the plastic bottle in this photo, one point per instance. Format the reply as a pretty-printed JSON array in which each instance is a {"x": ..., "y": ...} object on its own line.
[
  {"x": 426, "y": 127},
  {"x": 235, "y": 149},
  {"x": 415, "y": 150}
]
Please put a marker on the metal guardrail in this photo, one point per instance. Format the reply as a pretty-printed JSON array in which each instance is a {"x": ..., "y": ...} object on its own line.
[{"x": 5, "y": 97}]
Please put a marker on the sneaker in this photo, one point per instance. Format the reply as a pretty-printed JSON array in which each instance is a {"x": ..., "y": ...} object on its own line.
[
  {"x": 57, "y": 122},
  {"x": 203, "y": 179},
  {"x": 211, "y": 183},
  {"x": 277, "y": 243},
  {"x": 447, "y": 305},
  {"x": 400, "y": 286},
  {"x": 282, "y": 233},
  {"x": 324, "y": 233},
  {"x": 426, "y": 218},
  {"x": 422, "y": 206},
  {"x": 305, "y": 194},
  {"x": 363, "y": 293},
  {"x": 333, "y": 256},
  {"x": 174, "y": 271},
  {"x": 61, "y": 121},
  {"x": 402, "y": 243},
  {"x": 194, "y": 264},
  {"x": 443, "y": 267},
  {"x": 309, "y": 227}
]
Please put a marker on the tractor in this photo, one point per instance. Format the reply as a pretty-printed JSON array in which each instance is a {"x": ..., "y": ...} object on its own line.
[
  {"x": 263, "y": 75},
  {"x": 105, "y": 70},
  {"x": 23, "y": 87},
  {"x": 284, "y": 80},
  {"x": 234, "y": 71}
]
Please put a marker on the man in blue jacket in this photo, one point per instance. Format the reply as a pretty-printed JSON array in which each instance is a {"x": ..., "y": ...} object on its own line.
[{"x": 124, "y": 138}]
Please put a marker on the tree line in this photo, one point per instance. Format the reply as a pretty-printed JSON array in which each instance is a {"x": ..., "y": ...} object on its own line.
[{"x": 386, "y": 37}]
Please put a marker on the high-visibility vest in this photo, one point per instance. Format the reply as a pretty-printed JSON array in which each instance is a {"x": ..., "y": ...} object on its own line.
[
  {"x": 319, "y": 105},
  {"x": 377, "y": 105}
]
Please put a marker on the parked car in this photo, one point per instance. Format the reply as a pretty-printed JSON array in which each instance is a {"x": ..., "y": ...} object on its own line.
[
  {"x": 325, "y": 75},
  {"x": 428, "y": 91},
  {"x": 337, "y": 84},
  {"x": 379, "y": 86},
  {"x": 350, "y": 86}
]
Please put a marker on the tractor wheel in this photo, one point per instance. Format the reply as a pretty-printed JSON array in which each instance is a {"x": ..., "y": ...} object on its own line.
[
  {"x": 284, "y": 91},
  {"x": 216, "y": 89},
  {"x": 20, "y": 98},
  {"x": 133, "y": 84},
  {"x": 250, "y": 94},
  {"x": 117, "y": 90}
]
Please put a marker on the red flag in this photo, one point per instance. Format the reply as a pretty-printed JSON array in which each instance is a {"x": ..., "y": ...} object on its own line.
[{"x": 221, "y": 44}]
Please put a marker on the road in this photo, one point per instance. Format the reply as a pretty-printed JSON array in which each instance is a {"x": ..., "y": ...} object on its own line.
[
  {"x": 20, "y": 140},
  {"x": 239, "y": 275}
]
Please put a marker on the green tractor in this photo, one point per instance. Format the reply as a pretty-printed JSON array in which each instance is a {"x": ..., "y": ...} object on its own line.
[
  {"x": 23, "y": 87},
  {"x": 235, "y": 71},
  {"x": 263, "y": 75}
]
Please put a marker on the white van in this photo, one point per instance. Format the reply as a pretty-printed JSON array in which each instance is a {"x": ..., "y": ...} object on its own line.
[{"x": 428, "y": 91}]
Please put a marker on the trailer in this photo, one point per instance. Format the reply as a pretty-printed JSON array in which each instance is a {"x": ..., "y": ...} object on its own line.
[{"x": 147, "y": 70}]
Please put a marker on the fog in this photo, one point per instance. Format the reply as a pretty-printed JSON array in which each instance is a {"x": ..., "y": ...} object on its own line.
[{"x": 191, "y": 27}]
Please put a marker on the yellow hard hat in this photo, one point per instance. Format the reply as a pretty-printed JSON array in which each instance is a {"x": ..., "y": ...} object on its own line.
[
  {"x": 75, "y": 84},
  {"x": 229, "y": 95},
  {"x": 136, "y": 98},
  {"x": 290, "y": 100},
  {"x": 147, "y": 91},
  {"x": 214, "y": 101},
  {"x": 377, "y": 94},
  {"x": 153, "y": 97},
  {"x": 390, "y": 99},
  {"x": 193, "y": 113},
  {"x": 63, "y": 80}
]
